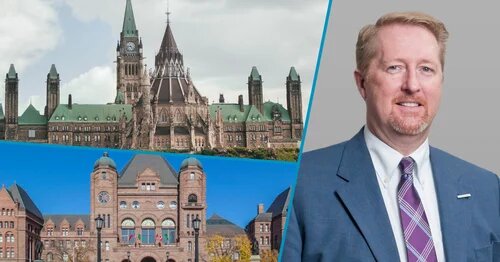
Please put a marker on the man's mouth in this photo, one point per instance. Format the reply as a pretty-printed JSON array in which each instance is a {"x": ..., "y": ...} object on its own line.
[{"x": 409, "y": 104}]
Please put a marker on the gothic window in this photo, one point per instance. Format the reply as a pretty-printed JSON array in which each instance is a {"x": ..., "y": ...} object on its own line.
[
  {"x": 163, "y": 116},
  {"x": 135, "y": 205},
  {"x": 128, "y": 231},
  {"x": 123, "y": 204},
  {"x": 50, "y": 257},
  {"x": 190, "y": 246},
  {"x": 148, "y": 232},
  {"x": 79, "y": 231},
  {"x": 106, "y": 245},
  {"x": 191, "y": 176},
  {"x": 168, "y": 231},
  {"x": 192, "y": 198}
]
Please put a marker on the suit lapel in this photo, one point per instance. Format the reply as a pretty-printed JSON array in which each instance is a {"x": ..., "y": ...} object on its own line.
[
  {"x": 452, "y": 211},
  {"x": 361, "y": 196}
]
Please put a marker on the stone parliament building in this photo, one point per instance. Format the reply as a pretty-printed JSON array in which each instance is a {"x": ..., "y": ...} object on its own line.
[
  {"x": 157, "y": 110},
  {"x": 147, "y": 208}
]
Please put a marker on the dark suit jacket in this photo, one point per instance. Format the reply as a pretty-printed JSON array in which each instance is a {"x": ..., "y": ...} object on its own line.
[{"x": 338, "y": 212}]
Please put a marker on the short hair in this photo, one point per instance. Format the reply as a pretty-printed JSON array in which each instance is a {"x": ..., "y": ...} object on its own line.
[{"x": 365, "y": 47}]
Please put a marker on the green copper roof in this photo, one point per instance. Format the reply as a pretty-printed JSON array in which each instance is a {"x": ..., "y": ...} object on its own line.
[
  {"x": 293, "y": 74},
  {"x": 255, "y": 73},
  {"x": 191, "y": 161},
  {"x": 105, "y": 160},
  {"x": 12, "y": 72},
  {"x": 129, "y": 28},
  {"x": 2, "y": 116},
  {"x": 120, "y": 98},
  {"x": 231, "y": 112},
  {"x": 108, "y": 113},
  {"x": 31, "y": 116},
  {"x": 53, "y": 72}
]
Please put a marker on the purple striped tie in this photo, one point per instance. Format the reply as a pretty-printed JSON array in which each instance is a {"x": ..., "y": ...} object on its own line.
[{"x": 418, "y": 239}]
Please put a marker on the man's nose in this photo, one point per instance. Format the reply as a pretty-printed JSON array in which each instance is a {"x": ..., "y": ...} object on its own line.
[{"x": 411, "y": 83}]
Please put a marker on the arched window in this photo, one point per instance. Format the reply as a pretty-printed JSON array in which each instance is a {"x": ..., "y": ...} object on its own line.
[
  {"x": 50, "y": 257},
  {"x": 1, "y": 238},
  {"x": 190, "y": 246},
  {"x": 192, "y": 198},
  {"x": 128, "y": 231},
  {"x": 148, "y": 232},
  {"x": 168, "y": 231},
  {"x": 163, "y": 116}
]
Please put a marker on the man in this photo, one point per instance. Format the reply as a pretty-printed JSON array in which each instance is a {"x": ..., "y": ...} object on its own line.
[{"x": 386, "y": 195}]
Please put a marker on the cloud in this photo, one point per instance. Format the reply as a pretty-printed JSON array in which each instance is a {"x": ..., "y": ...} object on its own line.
[
  {"x": 96, "y": 86},
  {"x": 28, "y": 30}
]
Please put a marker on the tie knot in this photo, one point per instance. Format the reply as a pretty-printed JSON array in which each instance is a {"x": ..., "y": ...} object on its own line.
[{"x": 406, "y": 166}]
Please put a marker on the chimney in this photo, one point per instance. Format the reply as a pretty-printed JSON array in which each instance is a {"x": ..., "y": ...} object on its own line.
[
  {"x": 240, "y": 103},
  {"x": 221, "y": 98},
  {"x": 70, "y": 102},
  {"x": 260, "y": 209}
]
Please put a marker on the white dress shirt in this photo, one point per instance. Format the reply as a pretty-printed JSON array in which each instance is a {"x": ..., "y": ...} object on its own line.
[{"x": 386, "y": 160}]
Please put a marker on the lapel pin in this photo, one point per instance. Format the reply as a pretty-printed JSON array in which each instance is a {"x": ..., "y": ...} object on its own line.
[{"x": 464, "y": 196}]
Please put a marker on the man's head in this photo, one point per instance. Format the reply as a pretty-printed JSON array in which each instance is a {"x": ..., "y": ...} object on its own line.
[{"x": 399, "y": 74}]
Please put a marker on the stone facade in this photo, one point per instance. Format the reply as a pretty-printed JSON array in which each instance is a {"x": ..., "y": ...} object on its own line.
[
  {"x": 148, "y": 209},
  {"x": 160, "y": 110},
  {"x": 20, "y": 226},
  {"x": 267, "y": 227}
]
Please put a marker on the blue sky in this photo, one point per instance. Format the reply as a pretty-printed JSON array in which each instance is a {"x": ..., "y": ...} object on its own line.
[
  {"x": 58, "y": 178},
  {"x": 221, "y": 40}
]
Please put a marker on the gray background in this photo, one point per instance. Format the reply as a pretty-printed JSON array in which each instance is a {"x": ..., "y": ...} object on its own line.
[{"x": 467, "y": 124}]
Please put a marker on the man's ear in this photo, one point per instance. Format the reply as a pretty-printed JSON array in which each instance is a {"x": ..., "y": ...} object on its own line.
[{"x": 360, "y": 83}]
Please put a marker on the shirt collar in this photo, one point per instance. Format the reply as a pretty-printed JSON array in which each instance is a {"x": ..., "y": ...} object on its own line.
[{"x": 386, "y": 159}]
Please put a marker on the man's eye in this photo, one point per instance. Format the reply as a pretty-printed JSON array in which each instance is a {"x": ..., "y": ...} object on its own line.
[
  {"x": 427, "y": 69},
  {"x": 394, "y": 68}
]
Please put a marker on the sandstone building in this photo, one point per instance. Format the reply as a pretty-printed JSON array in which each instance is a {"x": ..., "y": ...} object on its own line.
[{"x": 161, "y": 110}]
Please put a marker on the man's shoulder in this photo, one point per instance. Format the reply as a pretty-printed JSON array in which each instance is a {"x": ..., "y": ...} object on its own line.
[
  {"x": 320, "y": 166},
  {"x": 464, "y": 168}
]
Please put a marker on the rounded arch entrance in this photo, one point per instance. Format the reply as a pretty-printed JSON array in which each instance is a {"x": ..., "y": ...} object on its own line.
[{"x": 148, "y": 259}]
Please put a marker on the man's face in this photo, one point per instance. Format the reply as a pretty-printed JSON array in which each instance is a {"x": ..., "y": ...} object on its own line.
[{"x": 402, "y": 85}]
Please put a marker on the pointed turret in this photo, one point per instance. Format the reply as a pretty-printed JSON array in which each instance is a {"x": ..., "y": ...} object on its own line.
[
  {"x": 255, "y": 96},
  {"x": 53, "y": 72},
  {"x": 129, "y": 29},
  {"x": 168, "y": 49},
  {"x": 255, "y": 73},
  {"x": 293, "y": 74},
  {"x": 12, "y": 72},
  {"x": 53, "y": 91},
  {"x": 11, "y": 103},
  {"x": 294, "y": 102}
]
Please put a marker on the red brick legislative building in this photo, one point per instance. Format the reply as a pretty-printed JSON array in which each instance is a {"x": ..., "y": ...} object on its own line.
[{"x": 20, "y": 225}]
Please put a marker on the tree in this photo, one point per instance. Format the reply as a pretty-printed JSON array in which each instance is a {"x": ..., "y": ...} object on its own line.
[
  {"x": 222, "y": 249},
  {"x": 269, "y": 256},
  {"x": 65, "y": 253}
]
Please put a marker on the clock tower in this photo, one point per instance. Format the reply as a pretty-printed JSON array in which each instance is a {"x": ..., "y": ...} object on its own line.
[
  {"x": 103, "y": 196},
  {"x": 129, "y": 58}
]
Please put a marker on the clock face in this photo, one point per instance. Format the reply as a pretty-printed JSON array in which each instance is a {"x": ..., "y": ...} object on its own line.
[
  {"x": 103, "y": 197},
  {"x": 130, "y": 46}
]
